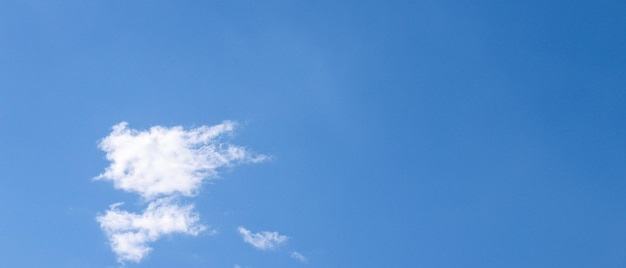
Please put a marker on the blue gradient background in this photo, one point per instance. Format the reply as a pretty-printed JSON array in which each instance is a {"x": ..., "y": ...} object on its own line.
[{"x": 404, "y": 133}]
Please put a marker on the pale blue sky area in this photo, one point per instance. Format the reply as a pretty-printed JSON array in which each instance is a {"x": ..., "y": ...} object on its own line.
[{"x": 402, "y": 133}]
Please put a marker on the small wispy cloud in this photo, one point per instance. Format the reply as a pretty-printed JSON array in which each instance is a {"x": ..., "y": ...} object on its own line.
[
  {"x": 162, "y": 165},
  {"x": 262, "y": 240},
  {"x": 298, "y": 256}
]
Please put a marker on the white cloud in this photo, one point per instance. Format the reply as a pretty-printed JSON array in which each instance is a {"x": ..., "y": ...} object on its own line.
[
  {"x": 165, "y": 161},
  {"x": 129, "y": 233},
  {"x": 298, "y": 256},
  {"x": 162, "y": 165},
  {"x": 262, "y": 240}
]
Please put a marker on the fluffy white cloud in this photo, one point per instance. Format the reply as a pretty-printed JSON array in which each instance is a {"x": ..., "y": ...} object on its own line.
[
  {"x": 262, "y": 240},
  {"x": 162, "y": 165},
  {"x": 298, "y": 256},
  {"x": 165, "y": 161},
  {"x": 129, "y": 233}
]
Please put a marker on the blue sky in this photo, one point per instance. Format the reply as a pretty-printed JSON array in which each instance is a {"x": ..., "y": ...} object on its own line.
[{"x": 398, "y": 133}]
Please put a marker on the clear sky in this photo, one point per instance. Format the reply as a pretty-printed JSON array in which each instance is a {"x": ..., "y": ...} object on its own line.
[{"x": 371, "y": 133}]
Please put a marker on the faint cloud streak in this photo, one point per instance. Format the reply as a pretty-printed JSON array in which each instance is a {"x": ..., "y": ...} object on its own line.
[
  {"x": 262, "y": 240},
  {"x": 298, "y": 256}
]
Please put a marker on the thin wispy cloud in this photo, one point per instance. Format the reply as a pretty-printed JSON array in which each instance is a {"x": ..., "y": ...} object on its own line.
[
  {"x": 262, "y": 240},
  {"x": 162, "y": 165},
  {"x": 298, "y": 256}
]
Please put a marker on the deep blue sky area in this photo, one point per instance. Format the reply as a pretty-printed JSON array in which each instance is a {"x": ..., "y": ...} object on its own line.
[{"x": 402, "y": 133}]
